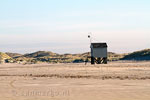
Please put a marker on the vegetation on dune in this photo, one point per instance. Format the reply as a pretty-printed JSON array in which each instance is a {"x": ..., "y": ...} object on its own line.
[
  {"x": 50, "y": 57},
  {"x": 115, "y": 57},
  {"x": 3, "y": 56}
]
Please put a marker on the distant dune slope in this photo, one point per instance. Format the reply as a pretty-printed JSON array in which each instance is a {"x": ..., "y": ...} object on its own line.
[
  {"x": 13, "y": 54},
  {"x": 40, "y": 54},
  {"x": 138, "y": 55}
]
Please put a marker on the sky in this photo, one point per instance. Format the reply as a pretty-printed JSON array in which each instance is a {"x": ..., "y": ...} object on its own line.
[{"x": 62, "y": 26}]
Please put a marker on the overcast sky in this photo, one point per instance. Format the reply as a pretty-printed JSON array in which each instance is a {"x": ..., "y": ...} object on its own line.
[{"x": 62, "y": 26}]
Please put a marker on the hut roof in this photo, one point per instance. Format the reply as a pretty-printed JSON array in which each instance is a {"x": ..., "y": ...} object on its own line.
[{"x": 99, "y": 45}]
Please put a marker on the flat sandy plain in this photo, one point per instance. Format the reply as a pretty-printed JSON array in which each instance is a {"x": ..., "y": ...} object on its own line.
[{"x": 114, "y": 81}]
